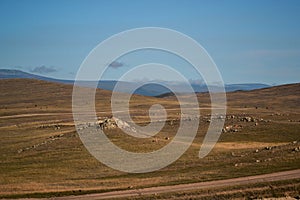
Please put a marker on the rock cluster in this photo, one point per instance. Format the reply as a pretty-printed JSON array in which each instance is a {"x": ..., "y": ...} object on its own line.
[
  {"x": 54, "y": 126},
  {"x": 107, "y": 123},
  {"x": 49, "y": 140},
  {"x": 296, "y": 149},
  {"x": 231, "y": 128}
]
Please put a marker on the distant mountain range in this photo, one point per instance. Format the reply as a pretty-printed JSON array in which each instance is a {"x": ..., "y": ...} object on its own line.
[{"x": 146, "y": 90}]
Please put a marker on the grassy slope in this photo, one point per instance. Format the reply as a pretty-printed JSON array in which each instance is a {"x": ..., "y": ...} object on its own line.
[{"x": 63, "y": 164}]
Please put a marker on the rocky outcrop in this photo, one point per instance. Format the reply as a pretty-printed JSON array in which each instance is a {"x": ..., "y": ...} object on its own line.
[{"x": 107, "y": 123}]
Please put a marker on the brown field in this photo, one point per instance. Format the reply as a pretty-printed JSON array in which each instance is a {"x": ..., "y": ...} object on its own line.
[{"x": 41, "y": 154}]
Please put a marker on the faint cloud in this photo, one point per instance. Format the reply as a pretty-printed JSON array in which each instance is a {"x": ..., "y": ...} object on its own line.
[
  {"x": 43, "y": 69},
  {"x": 116, "y": 64},
  {"x": 197, "y": 81}
]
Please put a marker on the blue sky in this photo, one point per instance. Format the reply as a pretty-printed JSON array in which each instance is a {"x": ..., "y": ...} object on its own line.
[{"x": 250, "y": 41}]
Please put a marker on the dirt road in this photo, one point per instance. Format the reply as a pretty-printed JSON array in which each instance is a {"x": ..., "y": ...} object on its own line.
[
  {"x": 286, "y": 175},
  {"x": 33, "y": 115}
]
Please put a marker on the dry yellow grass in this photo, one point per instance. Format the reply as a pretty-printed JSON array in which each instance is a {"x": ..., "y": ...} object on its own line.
[{"x": 64, "y": 164}]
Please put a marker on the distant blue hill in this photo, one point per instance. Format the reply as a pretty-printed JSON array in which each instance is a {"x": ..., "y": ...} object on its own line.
[
  {"x": 9, "y": 73},
  {"x": 146, "y": 90}
]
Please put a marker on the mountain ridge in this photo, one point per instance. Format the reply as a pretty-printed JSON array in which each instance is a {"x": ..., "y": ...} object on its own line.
[{"x": 149, "y": 89}]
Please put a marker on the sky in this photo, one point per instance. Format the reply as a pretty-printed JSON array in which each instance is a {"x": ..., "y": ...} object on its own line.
[{"x": 250, "y": 41}]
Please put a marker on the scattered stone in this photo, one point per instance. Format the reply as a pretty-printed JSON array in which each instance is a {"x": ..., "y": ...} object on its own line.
[
  {"x": 107, "y": 123},
  {"x": 167, "y": 138},
  {"x": 247, "y": 119},
  {"x": 236, "y": 165},
  {"x": 221, "y": 117},
  {"x": 297, "y": 197},
  {"x": 49, "y": 140},
  {"x": 84, "y": 126},
  {"x": 297, "y": 149},
  {"x": 56, "y": 136},
  {"x": 230, "y": 128},
  {"x": 295, "y": 142},
  {"x": 256, "y": 151},
  {"x": 268, "y": 148},
  {"x": 121, "y": 124},
  {"x": 257, "y": 161},
  {"x": 112, "y": 123},
  {"x": 154, "y": 140}
]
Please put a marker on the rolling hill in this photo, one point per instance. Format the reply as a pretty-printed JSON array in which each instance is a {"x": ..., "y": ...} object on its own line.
[{"x": 41, "y": 154}]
